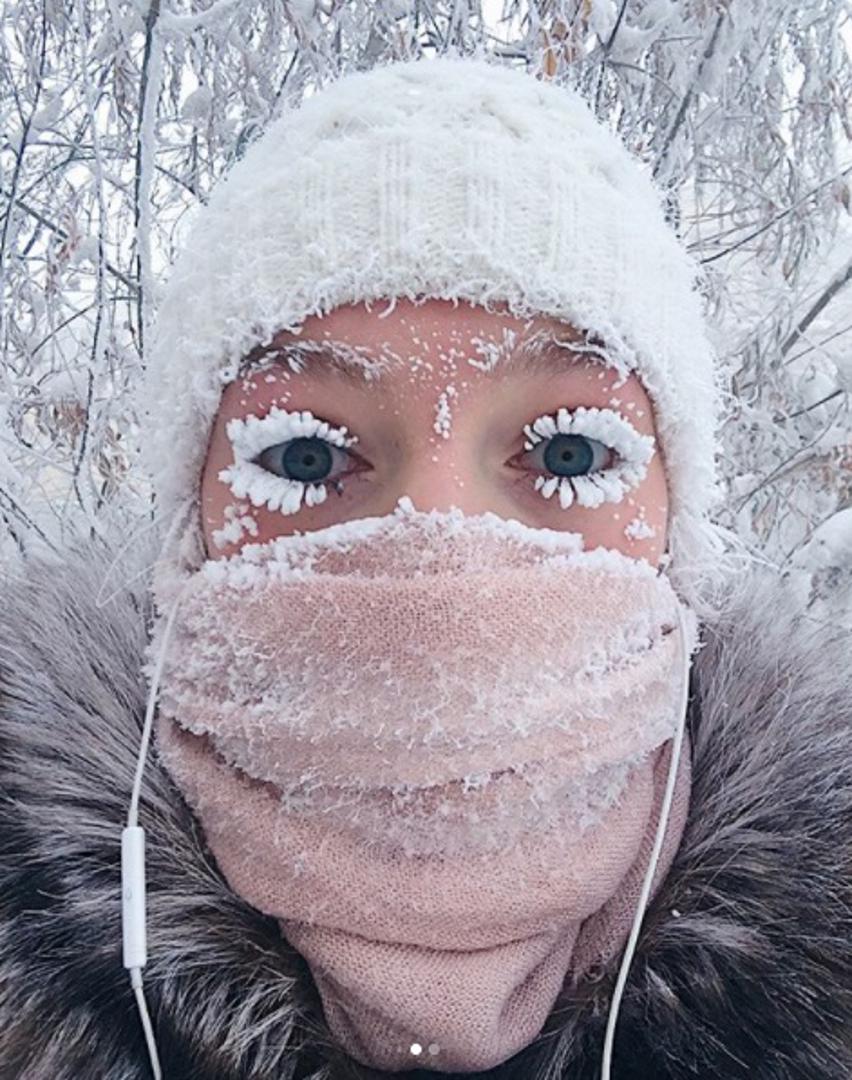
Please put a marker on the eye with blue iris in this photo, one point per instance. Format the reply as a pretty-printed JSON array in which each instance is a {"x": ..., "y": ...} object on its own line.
[
  {"x": 571, "y": 455},
  {"x": 286, "y": 459},
  {"x": 575, "y": 449},
  {"x": 309, "y": 459}
]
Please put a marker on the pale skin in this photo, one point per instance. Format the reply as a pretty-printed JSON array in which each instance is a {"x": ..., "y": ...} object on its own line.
[{"x": 481, "y": 466}]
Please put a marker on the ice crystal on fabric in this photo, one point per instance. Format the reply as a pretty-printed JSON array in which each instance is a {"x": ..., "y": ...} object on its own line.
[{"x": 431, "y": 682}]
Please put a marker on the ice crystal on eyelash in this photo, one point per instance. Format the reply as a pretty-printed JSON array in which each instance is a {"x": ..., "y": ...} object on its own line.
[
  {"x": 610, "y": 428},
  {"x": 263, "y": 488},
  {"x": 251, "y": 436}
]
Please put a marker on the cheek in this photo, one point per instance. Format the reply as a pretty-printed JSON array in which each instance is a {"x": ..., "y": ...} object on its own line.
[
  {"x": 636, "y": 525},
  {"x": 227, "y": 523}
]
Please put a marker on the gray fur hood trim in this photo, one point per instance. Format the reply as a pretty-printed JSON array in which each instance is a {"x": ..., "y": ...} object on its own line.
[{"x": 744, "y": 963}]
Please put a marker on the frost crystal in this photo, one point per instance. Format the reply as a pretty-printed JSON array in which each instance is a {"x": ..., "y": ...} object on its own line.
[
  {"x": 608, "y": 427},
  {"x": 239, "y": 521},
  {"x": 443, "y": 418},
  {"x": 492, "y": 351},
  {"x": 639, "y": 529},
  {"x": 249, "y": 437}
]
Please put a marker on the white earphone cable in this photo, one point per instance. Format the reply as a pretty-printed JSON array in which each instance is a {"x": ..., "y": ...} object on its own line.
[
  {"x": 655, "y": 855},
  {"x": 133, "y": 862},
  {"x": 133, "y": 859}
]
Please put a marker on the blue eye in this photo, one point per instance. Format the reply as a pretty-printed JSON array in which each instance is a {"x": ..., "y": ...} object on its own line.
[
  {"x": 309, "y": 459},
  {"x": 572, "y": 455}
]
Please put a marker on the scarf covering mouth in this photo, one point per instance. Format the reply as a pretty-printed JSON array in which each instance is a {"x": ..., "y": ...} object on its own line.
[{"x": 434, "y": 747}]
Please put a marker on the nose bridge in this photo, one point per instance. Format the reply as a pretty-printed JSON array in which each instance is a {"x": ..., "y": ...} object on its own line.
[
  {"x": 446, "y": 454},
  {"x": 438, "y": 473},
  {"x": 438, "y": 485}
]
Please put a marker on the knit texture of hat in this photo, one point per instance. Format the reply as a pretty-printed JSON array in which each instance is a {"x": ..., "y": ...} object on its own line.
[{"x": 445, "y": 177}]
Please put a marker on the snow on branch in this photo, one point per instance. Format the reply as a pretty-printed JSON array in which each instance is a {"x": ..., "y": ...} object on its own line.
[{"x": 119, "y": 117}]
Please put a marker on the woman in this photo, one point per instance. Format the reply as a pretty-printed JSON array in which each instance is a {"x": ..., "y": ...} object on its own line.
[{"x": 431, "y": 584}]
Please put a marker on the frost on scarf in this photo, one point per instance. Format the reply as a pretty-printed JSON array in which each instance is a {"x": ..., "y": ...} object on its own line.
[{"x": 430, "y": 682}]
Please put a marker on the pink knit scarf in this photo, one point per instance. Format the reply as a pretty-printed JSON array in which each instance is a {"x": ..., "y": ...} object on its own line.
[{"x": 434, "y": 748}]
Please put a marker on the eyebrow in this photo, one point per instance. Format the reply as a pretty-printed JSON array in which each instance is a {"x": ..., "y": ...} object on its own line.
[{"x": 543, "y": 353}]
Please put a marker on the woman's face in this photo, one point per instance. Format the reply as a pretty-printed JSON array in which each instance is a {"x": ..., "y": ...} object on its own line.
[{"x": 437, "y": 398}]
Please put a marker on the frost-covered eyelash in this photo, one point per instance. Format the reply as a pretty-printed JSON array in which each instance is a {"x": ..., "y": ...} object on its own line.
[
  {"x": 249, "y": 437},
  {"x": 608, "y": 427}
]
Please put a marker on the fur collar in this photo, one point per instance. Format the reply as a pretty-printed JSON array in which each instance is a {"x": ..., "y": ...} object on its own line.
[{"x": 743, "y": 966}]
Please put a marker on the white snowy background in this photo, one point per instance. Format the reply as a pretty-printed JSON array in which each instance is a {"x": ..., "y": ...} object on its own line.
[{"x": 117, "y": 118}]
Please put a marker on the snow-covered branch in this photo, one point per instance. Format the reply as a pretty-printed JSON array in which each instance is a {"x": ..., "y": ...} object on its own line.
[{"x": 117, "y": 117}]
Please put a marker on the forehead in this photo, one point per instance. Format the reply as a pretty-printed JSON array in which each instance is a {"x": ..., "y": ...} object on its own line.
[
  {"x": 382, "y": 341},
  {"x": 400, "y": 320}
]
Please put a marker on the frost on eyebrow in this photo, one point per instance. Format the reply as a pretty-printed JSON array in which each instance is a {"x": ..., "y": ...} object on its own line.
[
  {"x": 352, "y": 361},
  {"x": 543, "y": 349},
  {"x": 492, "y": 351}
]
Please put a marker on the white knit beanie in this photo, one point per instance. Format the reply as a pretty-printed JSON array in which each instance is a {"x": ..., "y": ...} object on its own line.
[{"x": 446, "y": 177}]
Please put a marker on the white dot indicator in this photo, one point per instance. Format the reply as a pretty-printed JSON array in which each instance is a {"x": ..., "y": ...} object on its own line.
[
  {"x": 416, "y": 1049},
  {"x": 434, "y": 1048}
]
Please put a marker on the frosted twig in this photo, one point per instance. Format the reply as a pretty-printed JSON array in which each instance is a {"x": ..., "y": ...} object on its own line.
[
  {"x": 149, "y": 92},
  {"x": 16, "y": 172}
]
